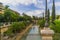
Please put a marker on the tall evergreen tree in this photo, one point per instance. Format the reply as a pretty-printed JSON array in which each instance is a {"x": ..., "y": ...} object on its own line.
[
  {"x": 48, "y": 16},
  {"x": 43, "y": 16},
  {"x": 53, "y": 11},
  {"x": 46, "y": 10}
]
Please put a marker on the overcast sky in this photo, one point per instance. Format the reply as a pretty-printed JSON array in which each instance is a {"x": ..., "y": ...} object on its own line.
[{"x": 31, "y": 7}]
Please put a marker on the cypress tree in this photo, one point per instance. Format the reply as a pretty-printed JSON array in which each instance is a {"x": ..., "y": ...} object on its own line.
[
  {"x": 43, "y": 16},
  {"x": 53, "y": 11},
  {"x": 48, "y": 16},
  {"x": 46, "y": 10}
]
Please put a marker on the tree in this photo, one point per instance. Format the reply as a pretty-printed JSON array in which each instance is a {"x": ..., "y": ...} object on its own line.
[
  {"x": 6, "y": 7},
  {"x": 1, "y": 18},
  {"x": 57, "y": 17},
  {"x": 34, "y": 17},
  {"x": 48, "y": 15},
  {"x": 26, "y": 17},
  {"x": 7, "y": 15},
  {"x": 53, "y": 11},
  {"x": 17, "y": 27},
  {"x": 10, "y": 15}
]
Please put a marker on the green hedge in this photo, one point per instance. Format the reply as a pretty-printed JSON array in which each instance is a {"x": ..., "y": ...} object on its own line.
[
  {"x": 56, "y": 36},
  {"x": 16, "y": 27},
  {"x": 56, "y": 26},
  {"x": 41, "y": 23}
]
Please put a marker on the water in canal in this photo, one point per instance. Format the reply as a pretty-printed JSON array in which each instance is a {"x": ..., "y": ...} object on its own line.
[{"x": 33, "y": 34}]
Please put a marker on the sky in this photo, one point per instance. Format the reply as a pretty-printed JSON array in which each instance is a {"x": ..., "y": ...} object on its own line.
[{"x": 31, "y": 7}]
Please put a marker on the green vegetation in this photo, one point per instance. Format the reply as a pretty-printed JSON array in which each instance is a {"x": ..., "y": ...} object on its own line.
[
  {"x": 48, "y": 16},
  {"x": 1, "y": 18},
  {"x": 53, "y": 23},
  {"x": 13, "y": 16},
  {"x": 57, "y": 17},
  {"x": 17, "y": 22},
  {"x": 41, "y": 23},
  {"x": 53, "y": 11},
  {"x": 56, "y": 36},
  {"x": 9, "y": 15},
  {"x": 56, "y": 28},
  {"x": 16, "y": 27}
]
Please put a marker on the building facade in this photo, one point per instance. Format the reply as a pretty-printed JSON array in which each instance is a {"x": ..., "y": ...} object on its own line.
[{"x": 1, "y": 8}]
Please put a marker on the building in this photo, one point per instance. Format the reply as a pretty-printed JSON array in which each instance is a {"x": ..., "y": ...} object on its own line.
[{"x": 1, "y": 8}]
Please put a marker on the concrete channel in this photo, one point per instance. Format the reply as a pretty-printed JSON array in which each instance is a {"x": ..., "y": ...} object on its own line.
[{"x": 32, "y": 34}]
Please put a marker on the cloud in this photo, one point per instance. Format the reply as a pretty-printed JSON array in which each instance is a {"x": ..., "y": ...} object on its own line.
[
  {"x": 8, "y": 2},
  {"x": 16, "y": 2},
  {"x": 26, "y": 5},
  {"x": 48, "y": 0},
  {"x": 37, "y": 3},
  {"x": 25, "y": 2},
  {"x": 35, "y": 12},
  {"x": 56, "y": 4}
]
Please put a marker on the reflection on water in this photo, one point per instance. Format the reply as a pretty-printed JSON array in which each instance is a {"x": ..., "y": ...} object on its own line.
[{"x": 33, "y": 34}]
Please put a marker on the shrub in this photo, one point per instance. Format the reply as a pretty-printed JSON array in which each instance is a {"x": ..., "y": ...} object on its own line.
[
  {"x": 26, "y": 23},
  {"x": 8, "y": 32},
  {"x": 17, "y": 26},
  {"x": 41, "y": 23},
  {"x": 56, "y": 26}
]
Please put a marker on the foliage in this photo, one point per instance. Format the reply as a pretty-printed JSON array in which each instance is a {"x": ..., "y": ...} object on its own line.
[
  {"x": 53, "y": 11},
  {"x": 57, "y": 17},
  {"x": 56, "y": 36},
  {"x": 13, "y": 16},
  {"x": 1, "y": 18},
  {"x": 48, "y": 15},
  {"x": 35, "y": 17},
  {"x": 8, "y": 32},
  {"x": 56, "y": 26},
  {"x": 26, "y": 17},
  {"x": 10, "y": 16},
  {"x": 18, "y": 23},
  {"x": 41, "y": 23},
  {"x": 16, "y": 27}
]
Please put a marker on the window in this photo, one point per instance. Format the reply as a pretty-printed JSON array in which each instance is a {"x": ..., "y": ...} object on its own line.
[{"x": 0, "y": 9}]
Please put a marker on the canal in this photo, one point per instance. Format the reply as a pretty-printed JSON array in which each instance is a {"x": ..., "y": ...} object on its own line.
[{"x": 33, "y": 34}]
